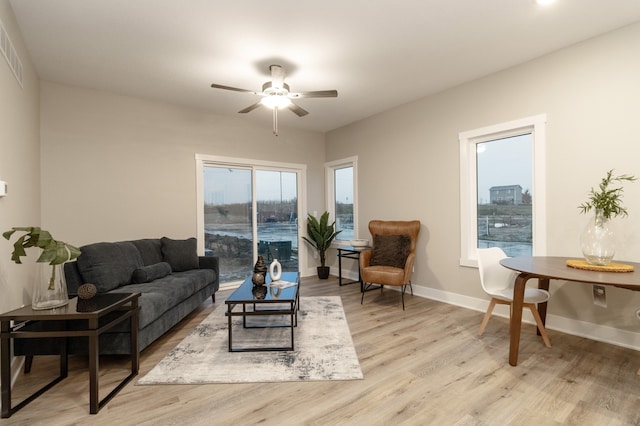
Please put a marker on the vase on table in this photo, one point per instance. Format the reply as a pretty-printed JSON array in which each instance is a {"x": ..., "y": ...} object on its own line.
[
  {"x": 259, "y": 272},
  {"x": 275, "y": 270},
  {"x": 49, "y": 287},
  {"x": 598, "y": 240}
]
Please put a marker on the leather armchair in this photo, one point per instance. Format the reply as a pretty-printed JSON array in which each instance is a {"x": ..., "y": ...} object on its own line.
[{"x": 377, "y": 273}]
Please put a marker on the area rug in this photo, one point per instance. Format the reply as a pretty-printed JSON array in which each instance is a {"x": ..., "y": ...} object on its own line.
[{"x": 323, "y": 350}]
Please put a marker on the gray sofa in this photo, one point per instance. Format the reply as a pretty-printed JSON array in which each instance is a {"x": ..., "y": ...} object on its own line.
[{"x": 172, "y": 279}]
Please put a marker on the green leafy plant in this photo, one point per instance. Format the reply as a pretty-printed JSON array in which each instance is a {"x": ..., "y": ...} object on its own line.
[
  {"x": 321, "y": 234},
  {"x": 53, "y": 251},
  {"x": 607, "y": 200}
]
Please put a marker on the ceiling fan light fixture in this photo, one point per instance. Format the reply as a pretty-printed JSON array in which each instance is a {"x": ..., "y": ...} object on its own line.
[
  {"x": 276, "y": 95},
  {"x": 275, "y": 101}
]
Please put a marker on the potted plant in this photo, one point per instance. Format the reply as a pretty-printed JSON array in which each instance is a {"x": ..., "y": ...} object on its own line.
[
  {"x": 598, "y": 240},
  {"x": 321, "y": 235},
  {"x": 50, "y": 289}
]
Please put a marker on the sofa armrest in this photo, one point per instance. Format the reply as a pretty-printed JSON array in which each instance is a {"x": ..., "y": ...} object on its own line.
[{"x": 209, "y": 262}]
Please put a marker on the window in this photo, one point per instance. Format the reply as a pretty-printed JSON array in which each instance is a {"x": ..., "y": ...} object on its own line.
[
  {"x": 502, "y": 189},
  {"x": 248, "y": 208},
  {"x": 341, "y": 176}
]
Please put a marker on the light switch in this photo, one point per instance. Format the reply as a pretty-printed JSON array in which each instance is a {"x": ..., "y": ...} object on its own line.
[{"x": 3, "y": 188}]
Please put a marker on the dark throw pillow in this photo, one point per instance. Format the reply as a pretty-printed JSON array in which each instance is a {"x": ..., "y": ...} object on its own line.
[
  {"x": 151, "y": 272},
  {"x": 108, "y": 265},
  {"x": 150, "y": 249},
  {"x": 182, "y": 255},
  {"x": 390, "y": 250}
]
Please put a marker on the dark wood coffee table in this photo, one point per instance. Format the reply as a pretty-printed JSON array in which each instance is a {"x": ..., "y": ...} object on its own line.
[
  {"x": 90, "y": 319},
  {"x": 264, "y": 301}
]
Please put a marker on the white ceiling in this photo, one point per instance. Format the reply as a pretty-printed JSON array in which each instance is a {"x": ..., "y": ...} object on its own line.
[{"x": 377, "y": 54}]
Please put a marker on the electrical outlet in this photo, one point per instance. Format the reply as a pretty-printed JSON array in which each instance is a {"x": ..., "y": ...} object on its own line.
[{"x": 599, "y": 296}]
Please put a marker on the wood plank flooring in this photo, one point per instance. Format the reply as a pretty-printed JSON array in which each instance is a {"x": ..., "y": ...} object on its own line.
[{"x": 424, "y": 365}]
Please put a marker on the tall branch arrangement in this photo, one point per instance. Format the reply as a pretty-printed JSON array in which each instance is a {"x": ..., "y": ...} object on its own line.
[{"x": 608, "y": 200}]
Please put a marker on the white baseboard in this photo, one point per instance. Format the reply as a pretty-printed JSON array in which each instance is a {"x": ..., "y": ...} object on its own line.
[{"x": 601, "y": 333}]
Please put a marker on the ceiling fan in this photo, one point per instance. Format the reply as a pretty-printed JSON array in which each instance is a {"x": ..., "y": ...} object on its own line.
[{"x": 276, "y": 95}]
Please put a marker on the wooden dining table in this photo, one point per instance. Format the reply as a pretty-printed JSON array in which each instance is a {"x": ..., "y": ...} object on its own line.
[{"x": 546, "y": 268}]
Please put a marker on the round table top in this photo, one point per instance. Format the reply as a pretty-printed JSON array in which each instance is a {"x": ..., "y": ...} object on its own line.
[{"x": 556, "y": 268}]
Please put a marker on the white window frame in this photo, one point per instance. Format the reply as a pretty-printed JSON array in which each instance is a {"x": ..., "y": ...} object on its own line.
[
  {"x": 330, "y": 168},
  {"x": 468, "y": 182}
]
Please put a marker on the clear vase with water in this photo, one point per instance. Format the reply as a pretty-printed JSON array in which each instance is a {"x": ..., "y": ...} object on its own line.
[
  {"x": 598, "y": 241},
  {"x": 49, "y": 288}
]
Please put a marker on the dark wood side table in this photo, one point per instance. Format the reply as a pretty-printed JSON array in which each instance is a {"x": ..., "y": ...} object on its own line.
[
  {"x": 90, "y": 319},
  {"x": 350, "y": 252}
]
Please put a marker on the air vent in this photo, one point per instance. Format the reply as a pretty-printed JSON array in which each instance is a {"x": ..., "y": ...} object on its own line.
[{"x": 9, "y": 53}]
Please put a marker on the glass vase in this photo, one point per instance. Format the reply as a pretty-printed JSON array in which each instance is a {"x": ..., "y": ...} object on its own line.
[
  {"x": 49, "y": 287},
  {"x": 598, "y": 241}
]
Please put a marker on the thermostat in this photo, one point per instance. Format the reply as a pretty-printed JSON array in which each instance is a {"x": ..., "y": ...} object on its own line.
[{"x": 3, "y": 188}]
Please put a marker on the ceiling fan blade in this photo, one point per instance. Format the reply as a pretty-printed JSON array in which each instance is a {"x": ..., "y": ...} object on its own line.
[
  {"x": 235, "y": 89},
  {"x": 250, "y": 108},
  {"x": 300, "y": 112},
  {"x": 315, "y": 94}
]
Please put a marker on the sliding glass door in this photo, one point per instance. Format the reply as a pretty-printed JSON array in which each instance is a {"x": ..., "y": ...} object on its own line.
[
  {"x": 277, "y": 218},
  {"x": 249, "y": 211},
  {"x": 228, "y": 220}
]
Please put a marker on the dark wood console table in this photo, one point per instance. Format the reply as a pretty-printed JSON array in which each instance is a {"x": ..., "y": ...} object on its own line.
[{"x": 90, "y": 319}]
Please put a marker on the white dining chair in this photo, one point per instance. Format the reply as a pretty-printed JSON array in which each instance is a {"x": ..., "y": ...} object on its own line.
[{"x": 498, "y": 282}]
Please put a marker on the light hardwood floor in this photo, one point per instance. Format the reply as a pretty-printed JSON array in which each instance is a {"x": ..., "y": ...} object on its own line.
[{"x": 425, "y": 365}]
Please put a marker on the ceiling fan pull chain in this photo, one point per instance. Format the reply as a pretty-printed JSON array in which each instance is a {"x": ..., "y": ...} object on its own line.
[{"x": 275, "y": 121}]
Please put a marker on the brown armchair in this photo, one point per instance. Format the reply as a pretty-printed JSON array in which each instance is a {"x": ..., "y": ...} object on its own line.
[{"x": 390, "y": 261}]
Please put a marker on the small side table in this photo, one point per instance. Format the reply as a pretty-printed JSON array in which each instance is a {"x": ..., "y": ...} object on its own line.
[
  {"x": 90, "y": 318},
  {"x": 350, "y": 252}
]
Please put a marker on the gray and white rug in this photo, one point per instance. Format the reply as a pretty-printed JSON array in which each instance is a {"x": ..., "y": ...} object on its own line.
[{"x": 323, "y": 350}]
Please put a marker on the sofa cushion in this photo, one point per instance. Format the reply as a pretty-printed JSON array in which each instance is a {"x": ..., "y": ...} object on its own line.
[
  {"x": 150, "y": 249},
  {"x": 390, "y": 250},
  {"x": 159, "y": 296},
  {"x": 108, "y": 265},
  {"x": 182, "y": 255},
  {"x": 149, "y": 273}
]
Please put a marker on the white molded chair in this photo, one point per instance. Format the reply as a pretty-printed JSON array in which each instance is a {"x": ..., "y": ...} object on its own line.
[{"x": 498, "y": 282}]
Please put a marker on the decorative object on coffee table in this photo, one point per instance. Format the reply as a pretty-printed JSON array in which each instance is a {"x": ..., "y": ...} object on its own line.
[
  {"x": 598, "y": 240},
  {"x": 321, "y": 235},
  {"x": 50, "y": 287},
  {"x": 275, "y": 270},
  {"x": 259, "y": 272}
]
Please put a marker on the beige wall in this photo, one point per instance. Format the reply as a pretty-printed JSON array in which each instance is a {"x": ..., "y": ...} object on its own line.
[
  {"x": 19, "y": 164},
  {"x": 409, "y": 161},
  {"x": 117, "y": 167}
]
